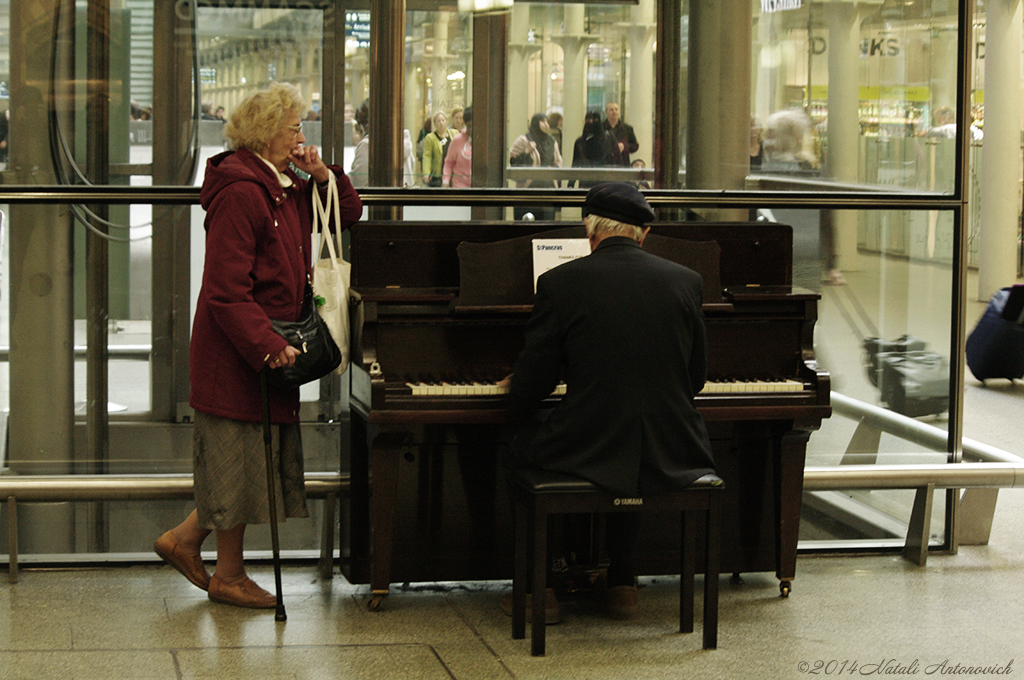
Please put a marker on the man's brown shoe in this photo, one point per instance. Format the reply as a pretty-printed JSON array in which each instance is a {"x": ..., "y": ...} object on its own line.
[
  {"x": 242, "y": 593},
  {"x": 622, "y": 603},
  {"x": 552, "y": 614},
  {"x": 190, "y": 566}
]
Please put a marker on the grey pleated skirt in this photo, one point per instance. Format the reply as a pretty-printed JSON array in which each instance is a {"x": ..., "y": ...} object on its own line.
[{"x": 230, "y": 476}]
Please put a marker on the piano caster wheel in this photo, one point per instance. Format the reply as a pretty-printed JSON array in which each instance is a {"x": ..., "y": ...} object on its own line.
[
  {"x": 784, "y": 588},
  {"x": 736, "y": 579},
  {"x": 375, "y": 600}
]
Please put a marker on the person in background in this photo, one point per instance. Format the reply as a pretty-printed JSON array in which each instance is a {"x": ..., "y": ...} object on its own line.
[
  {"x": 535, "y": 148},
  {"x": 787, "y": 149},
  {"x": 458, "y": 164},
  {"x": 978, "y": 123},
  {"x": 639, "y": 164},
  {"x": 623, "y": 139},
  {"x": 555, "y": 125},
  {"x": 945, "y": 124},
  {"x": 360, "y": 171},
  {"x": 458, "y": 119},
  {"x": 408, "y": 160},
  {"x": 593, "y": 149},
  {"x": 206, "y": 111},
  {"x": 624, "y": 330},
  {"x": 5, "y": 127},
  {"x": 421, "y": 137},
  {"x": 435, "y": 146},
  {"x": 258, "y": 230},
  {"x": 219, "y": 114},
  {"x": 756, "y": 145}
]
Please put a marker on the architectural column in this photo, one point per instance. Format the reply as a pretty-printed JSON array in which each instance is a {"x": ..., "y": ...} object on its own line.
[
  {"x": 638, "y": 111},
  {"x": 1001, "y": 164},
  {"x": 574, "y": 42},
  {"x": 843, "y": 20},
  {"x": 520, "y": 50},
  {"x": 387, "y": 54},
  {"x": 718, "y": 92},
  {"x": 490, "y": 46},
  {"x": 42, "y": 378}
]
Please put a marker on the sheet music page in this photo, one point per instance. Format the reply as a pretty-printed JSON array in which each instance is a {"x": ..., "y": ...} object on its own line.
[{"x": 548, "y": 253}]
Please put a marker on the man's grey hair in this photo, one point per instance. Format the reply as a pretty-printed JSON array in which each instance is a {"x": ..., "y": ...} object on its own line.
[{"x": 606, "y": 226}]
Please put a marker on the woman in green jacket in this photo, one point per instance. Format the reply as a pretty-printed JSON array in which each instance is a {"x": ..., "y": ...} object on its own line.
[{"x": 435, "y": 147}]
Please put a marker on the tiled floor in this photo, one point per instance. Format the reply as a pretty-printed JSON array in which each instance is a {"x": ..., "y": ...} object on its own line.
[{"x": 148, "y": 622}]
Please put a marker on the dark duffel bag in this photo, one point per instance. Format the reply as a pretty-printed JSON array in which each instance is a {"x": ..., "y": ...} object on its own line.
[
  {"x": 875, "y": 346},
  {"x": 914, "y": 383}
]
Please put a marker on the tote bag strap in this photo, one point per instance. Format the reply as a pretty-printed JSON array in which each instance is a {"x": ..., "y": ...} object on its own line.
[{"x": 322, "y": 220}]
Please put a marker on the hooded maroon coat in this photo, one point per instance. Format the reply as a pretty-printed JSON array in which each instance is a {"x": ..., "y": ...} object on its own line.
[{"x": 256, "y": 266}]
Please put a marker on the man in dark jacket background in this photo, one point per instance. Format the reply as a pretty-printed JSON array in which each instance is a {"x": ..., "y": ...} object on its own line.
[
  {"x": 625, "y": 332},
  {"x": 623, "y": 138}
]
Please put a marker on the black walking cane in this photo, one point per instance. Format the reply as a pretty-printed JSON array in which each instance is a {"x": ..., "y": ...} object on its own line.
[{"x": 272, "y": 496}]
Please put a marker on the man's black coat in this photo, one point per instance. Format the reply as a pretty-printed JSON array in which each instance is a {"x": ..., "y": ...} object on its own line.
[{"x": 624, "y": 330}]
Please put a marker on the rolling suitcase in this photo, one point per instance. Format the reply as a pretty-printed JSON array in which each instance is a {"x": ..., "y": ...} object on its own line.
[{"x": 995, "y": 348}]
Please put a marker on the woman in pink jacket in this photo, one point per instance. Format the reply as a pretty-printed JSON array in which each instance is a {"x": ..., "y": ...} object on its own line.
[
  {"x": 258, "y": 229},
  {"x": 458, "y": 164}
]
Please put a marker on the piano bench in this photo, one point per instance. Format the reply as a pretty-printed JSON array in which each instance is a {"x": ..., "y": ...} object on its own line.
[{"x": 538, "y": 494}]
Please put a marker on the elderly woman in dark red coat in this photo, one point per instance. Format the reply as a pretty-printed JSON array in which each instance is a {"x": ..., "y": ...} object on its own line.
[{"x": 258, "y": 229}]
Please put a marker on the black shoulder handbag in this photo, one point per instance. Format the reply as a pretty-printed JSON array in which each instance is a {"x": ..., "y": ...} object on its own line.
[{"x": 319, "y": 353}]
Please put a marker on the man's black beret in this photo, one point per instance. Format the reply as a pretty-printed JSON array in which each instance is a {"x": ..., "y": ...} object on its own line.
[{"x": 619, "y": 201}]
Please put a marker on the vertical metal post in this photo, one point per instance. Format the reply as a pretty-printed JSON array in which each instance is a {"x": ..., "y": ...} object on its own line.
[
  {"x": 173, "y": 128},
  {"x": 332, "y": 88},
  {"x": 97, "y": 125},
  {"x": 490, "y": 48},
  {"x": 958, "y": 333},
  {"x": 387, "y": 53},
  {"x": 668, "y": 118},
  {"x": 12, "y": 539}
]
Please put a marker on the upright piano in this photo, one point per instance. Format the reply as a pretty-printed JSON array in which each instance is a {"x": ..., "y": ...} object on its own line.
[{"x": 441, "y": 319}]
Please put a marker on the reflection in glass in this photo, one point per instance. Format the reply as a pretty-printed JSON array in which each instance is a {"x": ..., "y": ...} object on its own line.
[
  {"x": 876, "y": 86},
  {"x": 883, "y": 336}
]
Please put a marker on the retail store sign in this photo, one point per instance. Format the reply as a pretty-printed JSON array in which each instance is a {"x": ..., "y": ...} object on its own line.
[{"x": 769, "y": 6}]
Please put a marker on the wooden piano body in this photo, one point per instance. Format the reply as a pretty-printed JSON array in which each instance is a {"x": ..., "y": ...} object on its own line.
[{"x": 427, "y": 500}]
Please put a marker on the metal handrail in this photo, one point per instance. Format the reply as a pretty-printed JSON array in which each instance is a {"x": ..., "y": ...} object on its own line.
[
  {"x": 846, "y": 197},
  {"x": 915, "y": 431},
  {"x": 65, "y": 488},
  {"x": 951, "y": 476}
]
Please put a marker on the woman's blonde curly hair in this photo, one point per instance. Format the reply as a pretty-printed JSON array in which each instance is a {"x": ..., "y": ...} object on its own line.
[{"x": 259, "y": 117}]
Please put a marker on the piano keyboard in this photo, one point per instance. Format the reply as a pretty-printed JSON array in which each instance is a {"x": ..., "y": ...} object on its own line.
[
  {"x": 474, "y": 389},
  {"x": 485, "y": 389},
  {"x": 752, "y": 387}
]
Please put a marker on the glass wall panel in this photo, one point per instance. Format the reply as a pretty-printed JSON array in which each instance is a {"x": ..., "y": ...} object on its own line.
[
  {"x": 438, "y": 87},
  {"x": 570, "y": 64},
  {"x": 858, "y": 94},
  {"x": 883, "y": 335}
]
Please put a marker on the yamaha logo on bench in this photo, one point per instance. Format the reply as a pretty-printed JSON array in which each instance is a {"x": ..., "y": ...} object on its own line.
[{"x": 629, "y": 501}]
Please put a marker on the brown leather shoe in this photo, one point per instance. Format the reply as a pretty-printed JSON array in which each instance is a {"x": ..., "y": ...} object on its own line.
[
  {"x": 552, "y": 614},
  {"x": 190, "y": 566},
  {"x": 622, "y": 603},
  {"x": 242, "y": 593}
]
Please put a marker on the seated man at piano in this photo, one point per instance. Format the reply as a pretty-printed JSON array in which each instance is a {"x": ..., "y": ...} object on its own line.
[{"x": 624, "y": 330}]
